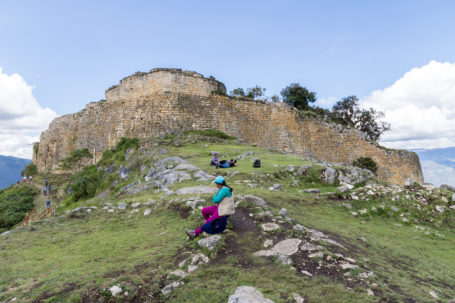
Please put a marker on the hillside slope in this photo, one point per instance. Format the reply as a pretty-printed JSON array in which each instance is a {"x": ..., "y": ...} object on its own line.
[{"x": 372, "y": 243}]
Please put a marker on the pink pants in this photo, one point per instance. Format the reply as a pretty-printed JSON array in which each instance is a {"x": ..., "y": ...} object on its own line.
[{"x": 209, "y": 213}]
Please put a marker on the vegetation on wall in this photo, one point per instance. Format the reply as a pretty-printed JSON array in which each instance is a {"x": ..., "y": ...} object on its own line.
[
  {"x": 30, "y": 170},
  {"x": 366, "y": 162},
  {"x": 211, "y": 133},
  {"x": 75, "y": 159}
]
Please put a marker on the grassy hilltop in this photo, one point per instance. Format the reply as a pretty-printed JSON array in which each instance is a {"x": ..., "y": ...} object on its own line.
[{"x": 374, "y": 243}]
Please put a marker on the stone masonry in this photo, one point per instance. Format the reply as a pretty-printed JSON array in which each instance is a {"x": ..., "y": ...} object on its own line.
[{"x": 166, "y": 101}]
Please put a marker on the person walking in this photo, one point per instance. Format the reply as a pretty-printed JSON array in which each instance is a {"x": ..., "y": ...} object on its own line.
[
  {"x": 210, "y": 213},
  {"x": 48, "y": 203},
  {"x": 45, "y": 190}
]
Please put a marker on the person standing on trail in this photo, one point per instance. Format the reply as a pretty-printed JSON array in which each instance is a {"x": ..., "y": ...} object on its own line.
[
  {"x": 210, "y": 213},
  {"x": 45, "y": 190},
  {"x": 30, "y": 178},
  {"x": 45, "y": 181},
  {"x": 48, "y": 203}
]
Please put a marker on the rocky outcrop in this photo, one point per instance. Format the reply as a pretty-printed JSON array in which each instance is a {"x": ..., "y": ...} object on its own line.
[{"x": 172, "y": 101}]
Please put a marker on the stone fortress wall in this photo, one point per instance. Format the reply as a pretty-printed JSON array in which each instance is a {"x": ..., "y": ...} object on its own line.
[{"x": 166, "y": 101}]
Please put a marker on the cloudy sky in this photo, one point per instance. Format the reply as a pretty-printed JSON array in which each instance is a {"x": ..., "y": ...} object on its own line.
[{"x": 396, "y": 56}]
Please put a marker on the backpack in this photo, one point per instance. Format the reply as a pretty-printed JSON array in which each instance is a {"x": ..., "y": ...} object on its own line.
[
  {"x": 216, "y": 226},
  {"x": 226, "y": 206},
  {"x": 257, "y": 163}
]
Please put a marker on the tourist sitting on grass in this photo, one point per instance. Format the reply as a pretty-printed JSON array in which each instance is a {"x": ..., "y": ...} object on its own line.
[
  {"x": 214, "y": 223},
  {"x": 215, "y": 160},
  {"x": 227, "y": 164}
]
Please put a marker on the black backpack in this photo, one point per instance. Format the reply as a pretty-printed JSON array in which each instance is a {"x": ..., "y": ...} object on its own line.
[{"x": 257, "y": 163}]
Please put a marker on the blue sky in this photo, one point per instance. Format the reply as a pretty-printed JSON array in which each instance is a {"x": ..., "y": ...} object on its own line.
[
  {"x": 396, "y": 56},
  {"x": 71, "y": 51}
]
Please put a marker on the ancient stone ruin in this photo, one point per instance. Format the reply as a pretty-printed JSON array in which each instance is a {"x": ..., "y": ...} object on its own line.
[{"x": 165, "y": 101}]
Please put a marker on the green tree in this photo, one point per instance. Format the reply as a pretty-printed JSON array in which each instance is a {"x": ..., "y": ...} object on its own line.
[
  {"x": 298, "y": 96},
  {"x": 238, "y": 92},
  {"x": 347, "y": 112},
  {"x": 30, "y": 170},
  {"x": 366, "y": 162},
  {"x": 275, "y": 99},
  {"x": 76, "y": 158},
  {"x": 255, "y": 92}
]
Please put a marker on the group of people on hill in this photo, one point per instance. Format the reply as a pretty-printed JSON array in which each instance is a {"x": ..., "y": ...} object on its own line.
[
  {"x": 223, "y": 163},
  {"x": 25, "y": 179}
]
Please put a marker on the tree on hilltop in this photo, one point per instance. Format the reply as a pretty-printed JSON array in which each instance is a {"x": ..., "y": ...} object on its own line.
[
  {"x": 347, "y": 112},
  {"x": 298, "y": 96},
  {"x": 252, "y": 92}
]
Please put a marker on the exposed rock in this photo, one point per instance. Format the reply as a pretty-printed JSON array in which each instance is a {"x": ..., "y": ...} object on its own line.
[
  {"x": 306, "y": 273},
  {"x": 147, "y": 212},
  {"x": 149, "y": 203},
  {"x": 307, "y": 246},
  {"x": 268, "y": 243},
  {"x": 110, "y": 169},
  {"x": 370, "y": 292},
  {"x": 168, "y": 288},
  {"x": 283, "y": 259},
  {"x": 209, "y": 242},
  {"x": 5, "y": 233},
  {"x": 318, "y": 254},
  {"x": 433, "y": 294},
  {"x": 347, "y": 205},
  {"x": 247, "y": 294},
  {"x": 409, "y": 182},
  {"x": 196, "y": 190},
  {"x": 178, "y": 274},
  {"x": 123, "y": 172},
  {"x": 135, "y": 205},
  {"x": 270, "y": 226},
  {"x": 291, "y": 168},
  {"x": 277, "y": 186},
  {"x": 115, "y": 290},
  {"x": 453, "y": 197},
  {"x": 348, "y": 266},
  {"x": 343, "y": 188},
  {"x": 186, "y": 166},
  {"x": 134, "y": 211},
  {"x": 312, "y": 191},
  {"x": 122, "y": 206},
  {"x": 439, "y": 208},
  {"x": 330, "y": 175},
  {"x": 286, "y": 247},
  {"x": 202, "y": 176},
  {"x": 298, "y": 298},
  {"x": 256, "y": 201}
]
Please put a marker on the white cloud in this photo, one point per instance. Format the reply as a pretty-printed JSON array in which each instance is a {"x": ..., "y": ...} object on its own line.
[
  {"x": 437, "y": 174},
  {"x": 420, "y": 106},
  {"x": 326, "y": 102},
  {"x": 22, "y": 119}
]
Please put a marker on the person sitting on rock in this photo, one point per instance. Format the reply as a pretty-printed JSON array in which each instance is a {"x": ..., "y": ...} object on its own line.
[
  {"x": 215, "y": 160},
  {"x": 210, "y": 213}
]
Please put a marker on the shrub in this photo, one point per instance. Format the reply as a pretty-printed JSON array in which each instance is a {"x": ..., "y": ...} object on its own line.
[
  {"x": 30, "y": 170},
  {"x": 15, "y": 202},
  {"x": 85, "y": 183},
  {"x": 210, "y": 133},
  {"x": 118, "y": 153},
  {"x": 366, "y": 162}
]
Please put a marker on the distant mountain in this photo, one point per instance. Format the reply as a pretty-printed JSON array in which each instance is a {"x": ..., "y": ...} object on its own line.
[
  {"x": 10, "y": 170},
  {"x": 438, "y": 165}
]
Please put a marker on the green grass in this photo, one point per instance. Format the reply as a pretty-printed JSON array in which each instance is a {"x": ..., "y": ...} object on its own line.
[{"x": 68, "y": 259}]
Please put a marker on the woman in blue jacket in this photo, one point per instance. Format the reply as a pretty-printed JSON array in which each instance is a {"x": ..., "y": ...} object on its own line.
[{"x": 210, "y": 213}]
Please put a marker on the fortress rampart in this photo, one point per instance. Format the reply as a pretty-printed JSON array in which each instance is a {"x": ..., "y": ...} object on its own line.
[{"x": 184, "y": 102}]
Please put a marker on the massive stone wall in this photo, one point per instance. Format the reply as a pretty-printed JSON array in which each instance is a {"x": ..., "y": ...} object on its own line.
[
  {"x": 277, "y": 126},
  {"x": 162, "y": 80}
]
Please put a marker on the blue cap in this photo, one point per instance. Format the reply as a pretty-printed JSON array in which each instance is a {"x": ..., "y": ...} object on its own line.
[{"x": 219, "y": 180}]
